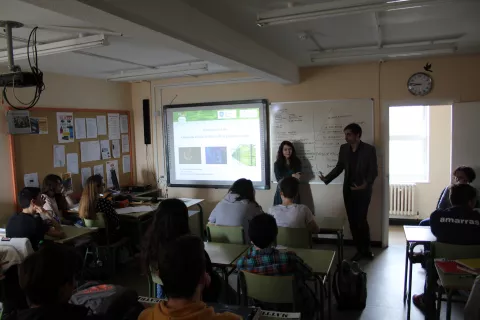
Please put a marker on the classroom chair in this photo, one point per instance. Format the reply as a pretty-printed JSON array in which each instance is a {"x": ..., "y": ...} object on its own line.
[
  {"x": 225, "y": 234},
  {"x": 447, "y": 251},
  {"x": 294, "y": 238}
]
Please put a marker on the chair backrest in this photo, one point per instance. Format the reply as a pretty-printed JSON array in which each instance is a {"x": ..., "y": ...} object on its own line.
[
  {"x": 225, "y": 234},
  {"x": 454, "y": 251},
  {"x": 270, "y": 289},
  {"x": 97, "y": 223},
  {"x": 294, "y": 238}
]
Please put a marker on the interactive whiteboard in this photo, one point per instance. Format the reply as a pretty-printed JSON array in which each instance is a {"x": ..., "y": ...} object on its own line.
[{"x": 316, "y": 130}]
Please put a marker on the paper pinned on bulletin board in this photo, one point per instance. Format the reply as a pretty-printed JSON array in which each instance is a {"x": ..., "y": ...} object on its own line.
[
  {"x": 105, "y": 148},
  {"x": 116, "y": 148},
  {"x": 58, "y": 156},
  {"x": 123, "y": 123},
  {"x": 91, "y": 128},
  {"x": 67, "y": 182},
  {"x": 90, "y": 151},
  {"x": 18, "y": 122},
  {"x": 111, "y": 165},
  {"x": 86, "y": 173},
  {"x": 72, "y": 163},
  {"x": 38, "y": 125},
  {"x": 65, "y": 127},
  {"x": 113, "y": 126},
  {"x": 31, "y": 180},
  {"x": 98, "y": 169},
  {"x": 125, "y": 144},
  {"x": 126, "y": 164},
  {"x": 101, "y": 125},
  {"x": 80, "y": 130}
]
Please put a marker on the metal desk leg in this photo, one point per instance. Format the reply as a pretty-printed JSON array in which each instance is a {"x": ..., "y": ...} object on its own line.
[
  {"x": 200, "y": 221},
  {"x": 449, "y": 304},
  {"x": 406, "y": 271},
  {"x": 410, "y": 265},
  {"x": 329, "y": 297},
  {"x": 322, "y": 298}
]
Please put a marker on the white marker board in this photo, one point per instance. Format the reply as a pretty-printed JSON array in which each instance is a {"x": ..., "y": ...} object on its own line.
[{"x": 316, "y": 130}]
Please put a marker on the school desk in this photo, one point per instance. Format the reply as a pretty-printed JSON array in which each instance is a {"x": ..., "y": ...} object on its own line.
[
  {"x": 414, "y": 236},
  {"x": 335, "y": 226},
  {"x": 72, "y": 233}
]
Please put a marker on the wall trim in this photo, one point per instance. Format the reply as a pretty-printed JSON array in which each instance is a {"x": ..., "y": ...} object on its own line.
[{"x": 209, "y": 82}]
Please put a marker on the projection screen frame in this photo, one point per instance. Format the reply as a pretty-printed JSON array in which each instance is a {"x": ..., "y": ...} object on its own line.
[{"x": 265, "y": 140}]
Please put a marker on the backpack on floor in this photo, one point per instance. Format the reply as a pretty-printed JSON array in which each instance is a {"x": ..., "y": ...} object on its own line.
[{"x": 350, "y": 286}]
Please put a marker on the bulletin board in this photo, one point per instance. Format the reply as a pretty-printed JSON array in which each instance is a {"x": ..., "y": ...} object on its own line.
[{"x": 34, "y": 153}]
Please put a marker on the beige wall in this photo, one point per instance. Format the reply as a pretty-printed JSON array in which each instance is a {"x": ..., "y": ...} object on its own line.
[
  {"x": 455, "y": 80},
  {"x": 63, "y": 92}
]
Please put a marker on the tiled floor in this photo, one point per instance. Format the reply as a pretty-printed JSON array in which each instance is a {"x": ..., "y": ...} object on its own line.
[{"x": 385, "y": 283}]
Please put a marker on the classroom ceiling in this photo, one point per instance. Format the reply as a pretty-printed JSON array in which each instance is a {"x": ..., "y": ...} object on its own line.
[{"x": 146, "y": 35}]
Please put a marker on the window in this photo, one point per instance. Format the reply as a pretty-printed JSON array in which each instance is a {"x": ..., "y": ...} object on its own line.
[{"x": 409, "y": 132}]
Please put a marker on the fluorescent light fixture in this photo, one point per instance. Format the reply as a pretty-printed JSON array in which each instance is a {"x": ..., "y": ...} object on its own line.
[
  {"x": 177, "y": 69},
  {"x": 58, "y": 47},
  {"x": 339, "y": 8},
  {"x": 422, "y": 53}
]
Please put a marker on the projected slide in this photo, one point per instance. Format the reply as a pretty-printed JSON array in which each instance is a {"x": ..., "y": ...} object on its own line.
[{"x": 216, "y": 144}]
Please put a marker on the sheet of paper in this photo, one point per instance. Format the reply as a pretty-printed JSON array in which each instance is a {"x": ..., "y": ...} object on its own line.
[
  {"x": 31, "y": 180},
  {"x": 67, "y": 182},
  {"x": 98, "y": 169},
  {"x": 39, "y": 125},
  {"x": 80, "y": 130},
  {"x": 116, "y": 148},
  {"x": 134, "y": 209},
  {"x": 18, "y": 121},
  {"x": 113, "y": 126},
  {"x": 65, "y": 127},
  {"x": 72, "y": 163},
  {"x": 58, "y": 156},
  {"x": 126, "y": 164},
  {"x": 90, "y": 151},
  {"x": 91, "y": 128},
  {"x": 101, "y": 125},
  {"x": 105, "y": 148},
  {"x": 123, "y": 123},
  {"x": 125, "y": 143},
  {"x": 86, "y": 173},
  {"x": 113, "y": 164}
]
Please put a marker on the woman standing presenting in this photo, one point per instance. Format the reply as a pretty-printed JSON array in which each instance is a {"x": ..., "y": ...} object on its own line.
[{"x": 287, "y": 165}]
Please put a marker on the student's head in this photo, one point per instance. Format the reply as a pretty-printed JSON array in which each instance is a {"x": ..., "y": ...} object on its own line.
[
  {"x": 263, "y": 230},
  {"x": 52, "y": 184},
  {"x": 30, "y": 198},
  {"x": 289, "y": 188},
  {"x": 181, "y": 265},
  {"x": 244, "y": 188},
  {"x": 170, "y": 221},
  {"x": 463, "y": 195},
  {"x": 353, "y": 133},
  {"x": 48, "y": 276},
  {"x": 286, "y": 150},
  {"x": 88, "y": 202},
  {"x": 463, "y": 175}
]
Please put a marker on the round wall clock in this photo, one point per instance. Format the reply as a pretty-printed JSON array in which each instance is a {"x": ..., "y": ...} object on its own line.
[{"x": 420, "y": 84}]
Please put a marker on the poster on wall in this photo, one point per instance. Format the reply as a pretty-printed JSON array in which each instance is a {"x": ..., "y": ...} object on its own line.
[
  {"x": 65, "y": 128},
  {"x": 67, "y": 182},
  {"x": 113, "y": 126},
  {"x": 111, "y": 165},
  {"x": 18, "y": 122},
  {"x": 38, "y": 125}
]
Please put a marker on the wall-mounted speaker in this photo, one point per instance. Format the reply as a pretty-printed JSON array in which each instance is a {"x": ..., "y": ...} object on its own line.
[{"x": 146, "y": 122}]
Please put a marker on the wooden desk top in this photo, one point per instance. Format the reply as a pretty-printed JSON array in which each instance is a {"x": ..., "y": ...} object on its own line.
[
  {"x": 73, "y": 233},
  {"x": 330, "y": 223},
  {"x": 224, "y": 254},
  {"x": 188, "y": 202},
  {"x": 319, "y": 260},
  {"x": 419, "y": 234}
]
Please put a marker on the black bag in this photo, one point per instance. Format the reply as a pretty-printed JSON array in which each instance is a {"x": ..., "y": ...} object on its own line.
[{"x": 350, "y": 286}]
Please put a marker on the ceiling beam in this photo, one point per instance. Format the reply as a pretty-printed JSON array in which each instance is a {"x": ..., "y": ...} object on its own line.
[
  {"x": 175, "y": 25},
  {"x": 379, "y": 30}
]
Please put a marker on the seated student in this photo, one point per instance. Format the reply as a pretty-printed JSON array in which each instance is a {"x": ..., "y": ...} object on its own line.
[
  {"x": 47, "y": 278},
  {"x": 291, "y": 215},
  {"x": 170, "y": 221},
  {"x": 182, "y": 265},
  {"x": 56, "y": 199},
  {"x": 459, "y": 224},
  {"x": 92, "y": 203},
  {"x": 238, "y": 207},
  {"x": 28, "y": 224}
]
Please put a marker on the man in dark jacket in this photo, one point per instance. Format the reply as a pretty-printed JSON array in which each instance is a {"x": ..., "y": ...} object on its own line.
[{"x": 359, "y": 160}]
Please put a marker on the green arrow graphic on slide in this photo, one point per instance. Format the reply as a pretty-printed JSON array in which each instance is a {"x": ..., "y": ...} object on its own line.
[{"x": 246, "y": 154}]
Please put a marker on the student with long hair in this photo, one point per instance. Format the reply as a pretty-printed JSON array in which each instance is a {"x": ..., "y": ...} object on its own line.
[
  {"x": 287, "y": 165},
  {"x": 238, "y": 206},
  {"x": 56, "y": 199},
  {"x": 92, "y": 202},
  {"x": 170, "y": 221}
]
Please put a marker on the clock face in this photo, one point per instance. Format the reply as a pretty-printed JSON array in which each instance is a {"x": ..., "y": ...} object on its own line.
[{"x": 420, "y": 84}]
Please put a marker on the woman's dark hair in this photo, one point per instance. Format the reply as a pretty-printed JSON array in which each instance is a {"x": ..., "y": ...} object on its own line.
[
  {"x": 469, "y": 172},
  {"x": 245, "y": 190},
  {"x": 170, "y": 221},
  {"x": 50, "y": 183},
  {"x": 294, "y": 160}
]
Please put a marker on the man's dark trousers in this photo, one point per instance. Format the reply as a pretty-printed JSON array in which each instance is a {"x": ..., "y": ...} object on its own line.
[{"x": 356, "y": 204}]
